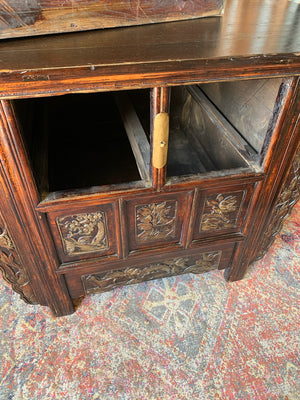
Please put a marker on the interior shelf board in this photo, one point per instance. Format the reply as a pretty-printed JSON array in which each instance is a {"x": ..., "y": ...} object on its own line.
[
  {"x": 233, "y": 137},
  {"x": 135, "y": 133}
]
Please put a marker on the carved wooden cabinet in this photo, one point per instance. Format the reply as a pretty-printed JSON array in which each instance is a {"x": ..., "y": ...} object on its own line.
[{"x": 139, "y": 153}]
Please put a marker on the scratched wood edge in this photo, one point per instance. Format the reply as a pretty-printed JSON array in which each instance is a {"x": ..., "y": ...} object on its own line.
[{"x": 15, "y": 22}]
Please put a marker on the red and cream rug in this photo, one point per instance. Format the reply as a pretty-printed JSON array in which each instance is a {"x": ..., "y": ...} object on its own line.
[{"x": 184, "y": 338}]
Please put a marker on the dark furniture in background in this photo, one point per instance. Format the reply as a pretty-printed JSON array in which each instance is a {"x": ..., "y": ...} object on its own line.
[
  {"x": 138, "y": 153},
  {"x": 19, "y": 18}
]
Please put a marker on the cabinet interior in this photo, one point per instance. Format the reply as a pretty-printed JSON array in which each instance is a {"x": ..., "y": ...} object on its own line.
[
  {"x": 76, "y": 141},
  {"x": 88, "y": 140},
  {"x": 247, "y": 105},
  {"x": 220, "y": 126}
]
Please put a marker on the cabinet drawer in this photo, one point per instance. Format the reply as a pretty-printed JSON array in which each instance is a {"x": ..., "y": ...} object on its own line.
[
  {"x": 89, "y": 279},
  {"x": 221, "y": 211},
  {"x": 85, "y": 233}
]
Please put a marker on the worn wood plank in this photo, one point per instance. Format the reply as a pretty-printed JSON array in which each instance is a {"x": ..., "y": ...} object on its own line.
[
  {"x": 183, "y": 158},
  {"x": 136, "y": 134},
  {"x": 240, "y": 101},
  {"x": 231, "y": 134},
  {"x": 215, "y": 140},
  {"x": 186, "y": 156},
  {"x": 31, "y": 17}
]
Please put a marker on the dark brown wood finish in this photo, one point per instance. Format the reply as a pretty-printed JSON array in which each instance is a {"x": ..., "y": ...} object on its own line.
[
  {"x": 138, "y": 269},
  {"x": 157, "y": 221},
  {"x": 86, "y": 206},
  {"x": 284, "y": 203},
  {"x": 221, "y": 211},
  {"x": 253, "y": 39},
  {"x": 18, "y": 200},
  {"x": 19, "y": 18},
  {"x": 278, "y": 159},
  {"x": 86, "y": 232}
]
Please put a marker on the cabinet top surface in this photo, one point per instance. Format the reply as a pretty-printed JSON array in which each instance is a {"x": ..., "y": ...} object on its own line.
[{"x": 261, "y": 35}]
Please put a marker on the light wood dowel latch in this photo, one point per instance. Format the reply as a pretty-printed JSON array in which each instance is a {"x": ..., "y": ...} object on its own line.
[{"x": 160, "y": 140}]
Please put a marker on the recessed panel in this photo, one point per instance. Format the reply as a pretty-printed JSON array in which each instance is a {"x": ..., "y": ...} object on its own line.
[
  {"x": 221, "y": 211},
  {"x": 156, "y": 221},
  {"x": 85, "y": 233}
]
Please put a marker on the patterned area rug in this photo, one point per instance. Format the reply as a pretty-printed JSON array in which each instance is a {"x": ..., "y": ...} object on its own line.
[{"x": 190, "y": 337}]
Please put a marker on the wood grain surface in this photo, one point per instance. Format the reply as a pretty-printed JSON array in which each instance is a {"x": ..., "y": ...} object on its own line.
[
  {"x": 32, "y": 17},
  {"x": 253, "y": 39},
  {"x": 94, "y": 231}
]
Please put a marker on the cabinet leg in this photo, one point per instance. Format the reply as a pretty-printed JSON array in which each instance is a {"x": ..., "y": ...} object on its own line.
[
  {"x": 238, "y": 266},
  {"x": 62, "y": 304},
  {"x": 234, "y": 274}
]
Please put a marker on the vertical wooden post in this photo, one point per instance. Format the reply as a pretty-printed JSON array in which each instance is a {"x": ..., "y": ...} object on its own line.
[
  {"x": 275, "y": 193},
  {"x": 36, "y": 259},
  {"x": 160, "y": 103}
]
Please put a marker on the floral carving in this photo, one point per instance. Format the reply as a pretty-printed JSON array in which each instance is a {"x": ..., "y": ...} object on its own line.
[
  {"x": 83, "y": 233},
  {"x": 289, "y": 196},
  {"x": 5, "y": 240},
  {"x": 156, "y": 221},
  {"x": 12, "y": 270},
  {"x": 220, "y": 212},
  {"x": 177, "y": 266}
]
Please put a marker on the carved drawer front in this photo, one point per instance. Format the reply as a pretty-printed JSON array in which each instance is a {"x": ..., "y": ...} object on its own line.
[
  {"x": 203, "y": 261},
  {"x": 85, "y": 233},
  {"x": 155, "y": 221},
  {"x": 221, "y": 211}
]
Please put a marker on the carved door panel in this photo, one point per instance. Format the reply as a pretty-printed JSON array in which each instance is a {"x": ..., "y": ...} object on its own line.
[
  {"x": 221, "y": 211},
  {"x": 85, "y": 233},
  {"x": 156, "y": 221}
]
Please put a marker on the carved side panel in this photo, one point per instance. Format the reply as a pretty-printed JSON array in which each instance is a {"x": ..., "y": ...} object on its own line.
[
  {"x": 11, "y": 267},
  {"x": 221, "y": 211},
  {"x": 289, "y": 196},
  {"x": 106, "y": 281},
  {"x": 83, "y": 233},
  {"x": 156, "y": 221}
]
